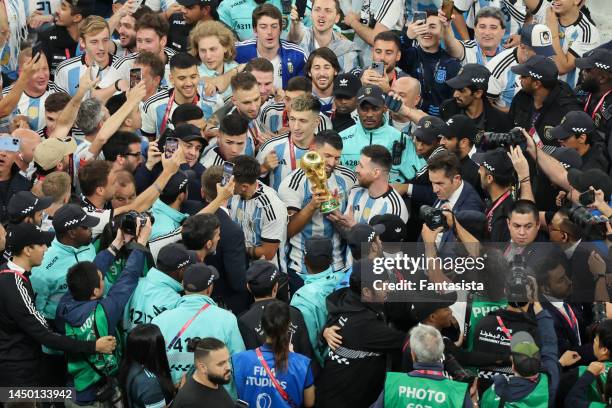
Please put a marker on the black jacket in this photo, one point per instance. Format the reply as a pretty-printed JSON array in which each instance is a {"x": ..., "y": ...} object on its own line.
[
  {"x": 16, "y": 184},
  {"x": 559, "y": 101},
  {"x": 23, "y": 329},
  {"x": 494, "y": 119}
]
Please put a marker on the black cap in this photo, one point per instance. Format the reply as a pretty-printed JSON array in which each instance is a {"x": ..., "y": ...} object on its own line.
[
  {"x": 428, "y": 302},
  {"x": 21, "y": 235},
  {"x": 176, "y": 184},
  {"x": 474, "y": 222},
  {"x": 569, "y": 158},
  {"x": 71, "y": 216},
  {"x": 363, "y": 274},
  {"x": 471, "y": 75},
  {"x": 429, "y": 129},
  {"x": 83, "y": 7},
  {"x": 199, "y": 277},
  {"x": 461, "y": 127},
  {"x": 372, "y": 94},
  {"x": 395, "y": 227},
  {"x": 496, "y": 162},
  {"x": 537, "y": 67},
  {"x": 24, "y": 204},
  {"x": 582, "y": 180},
  {"x": 599, "y": 58},
  {"x": 573, "y": 123},
  {"x": 262, "y": 274},
  {"x": 346, "y": 85},
  {"x": 173, "y": 257},
  {"x": 188, "y": 133},
  {"x": 360, "y": 234},
  {"x": 318, "y": 247},
  {"x": 189, "y": 3}
]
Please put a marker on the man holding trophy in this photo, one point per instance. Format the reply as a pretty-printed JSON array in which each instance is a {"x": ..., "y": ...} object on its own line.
[{"x": 317, "y": 188}]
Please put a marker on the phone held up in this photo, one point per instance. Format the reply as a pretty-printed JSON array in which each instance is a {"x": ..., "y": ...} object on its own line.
[
  {"x": 228, "y": 171},
  {"x": 171, "y": 146},
  {"x": 135, "y": 77}
]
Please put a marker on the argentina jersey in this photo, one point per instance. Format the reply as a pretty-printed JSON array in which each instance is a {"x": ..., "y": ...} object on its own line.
[
  {"x": 295, "y": 191},
  {"x": 514, "y": 12},
  {"x": 578, "y": 39},
  {"x": 32, "y": 107},
  {"x": 503, "y": 83},
  {"x": 263, "y": 218},
  {"x": 212, "y": 157},
  {"x": 473, "y": 54},
  {"x": 272, "y": 118},
  {"x": 121, "y": 69},
  {"x": 364, "y": 207},
  {"x": 288, "y": 154},
  {"x": 155, "y": 110},
  {"x": 69, "y": 72}
]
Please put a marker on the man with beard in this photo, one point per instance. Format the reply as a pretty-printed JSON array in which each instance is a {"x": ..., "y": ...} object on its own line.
[
  {"x": 470, "y": 99},
  {"x": 344, "y": 112},
  {"x": 212, "y": 369},
  {"x": 181, "y": 23},
  {"x": 458, "y": 137},
  {"x": 386, "y": 50},
  {"x": 322, "y": 68},
  {"x": 126, "y": 29}
]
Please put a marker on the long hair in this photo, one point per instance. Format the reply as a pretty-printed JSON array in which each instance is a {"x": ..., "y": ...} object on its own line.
[
  {"x": 145, "y": 346},
  {"x": 275, "y": 323}
]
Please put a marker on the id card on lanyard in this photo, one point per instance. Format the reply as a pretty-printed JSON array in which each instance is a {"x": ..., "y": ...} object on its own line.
[{"x": 598, "y": 106}]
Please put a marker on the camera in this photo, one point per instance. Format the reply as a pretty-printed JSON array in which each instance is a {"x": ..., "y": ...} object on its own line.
[
  {"x": 492, "y": 140},
  {"x": 518, "y": 281},
  {"x": 433, "y": 217},
  {"x": 592, "y": 227},
  {"x": 131, "y": 220}
]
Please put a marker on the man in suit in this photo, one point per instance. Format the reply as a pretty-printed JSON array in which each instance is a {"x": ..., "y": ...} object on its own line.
[{"x": 230, "y": 256}]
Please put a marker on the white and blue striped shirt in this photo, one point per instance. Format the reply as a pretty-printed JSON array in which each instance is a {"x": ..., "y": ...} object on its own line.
[
  {"x": 503, "y": 83},
  {"x": 365, "y": 207},
  {"x": 272, "y": 118},
  {"x": 33, "y": 108},
  {"x": 69, "y": 72}
]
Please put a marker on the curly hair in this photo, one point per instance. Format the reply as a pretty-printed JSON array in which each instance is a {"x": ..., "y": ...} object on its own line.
[{"x": 212, "y": 29}]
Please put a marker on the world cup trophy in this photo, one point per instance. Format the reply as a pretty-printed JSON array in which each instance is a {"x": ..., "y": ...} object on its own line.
[{"x": 314, "y": 169}]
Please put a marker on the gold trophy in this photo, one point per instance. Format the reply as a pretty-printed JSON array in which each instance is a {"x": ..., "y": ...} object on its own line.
[{"x": 314, "y": 168}]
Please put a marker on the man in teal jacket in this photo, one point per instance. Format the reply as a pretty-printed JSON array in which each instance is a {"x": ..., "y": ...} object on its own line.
[
  {"x": 196, "y": 315},
  {"x": 160, "y": 289},
  {"x": 166, "y": 209},
  {"x": 319, "y": 282}
]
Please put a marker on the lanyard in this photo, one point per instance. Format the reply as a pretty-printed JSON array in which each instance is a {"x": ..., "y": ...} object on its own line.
[
  {"x": 275, "y": 382},
  {"x": 504, "y": 328},
  {"x": 67, "y": 52},
  {"x": 430, "y": 372},
  {"x": 169, "y": 108},
  {"x": 571, "y": 317},
  {"x": 186, "y": 325},
  {"x": 285, "y": 119},
  {"x": 497, "y": 204},
  {"x": 292, "y": 153},
  {"x": 598, "y": 106},
  {"x": 254, "y": 132},
  {"x": 20, "y": 274}
]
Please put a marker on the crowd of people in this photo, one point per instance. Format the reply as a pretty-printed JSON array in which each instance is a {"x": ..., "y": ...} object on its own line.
[{"x": 203, "y": 203}]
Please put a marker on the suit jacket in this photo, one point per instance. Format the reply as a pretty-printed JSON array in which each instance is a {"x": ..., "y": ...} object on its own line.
[{"x": 567, "y": 338}]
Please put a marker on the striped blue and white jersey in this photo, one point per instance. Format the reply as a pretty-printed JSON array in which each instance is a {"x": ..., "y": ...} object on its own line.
[
  {"x": 578, "y": 39},
  {"x": 365, "y": 207},
  {"x": 283, "y": 148},
  {"x": 503, "y": 83},
  {"x": 295, "y": 191},
  {"x": 514, "y": 12},
  {"x": 154, "y": 109},
  {"x": 272, "y": 118},
  {"x": 211, "y": 157},
  {"x": 121, "y": 69},
  {"x": 69, "y": 72},
  {"x": 158, "y": 5},
  {"x": 33, "y": 108},
  {"x": 473, "y": 54},
  {"x": 263, "y": 218}
]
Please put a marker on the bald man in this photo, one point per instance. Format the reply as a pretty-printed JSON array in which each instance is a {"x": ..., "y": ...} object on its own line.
[
  {"x": 28, "y": 139},
  {"x": 409, "y": 91}
]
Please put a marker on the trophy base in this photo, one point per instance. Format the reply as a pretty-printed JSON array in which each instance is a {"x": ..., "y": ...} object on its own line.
[{"x": 330, "y": 206}]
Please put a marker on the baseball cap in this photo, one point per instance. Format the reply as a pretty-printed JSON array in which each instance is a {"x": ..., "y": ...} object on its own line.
[
  {"x": 569, "y": 158},
  {"x": 189, "y": 3},
  {"x": 176, "y": 184},
  {"x": 428, "y": 302},
  {"x": 372, "y": 94},
  {"x": 318, "y": 247},
  {"x": 24, "y": 234},
  {"x": 429, "y": 128},
  {"x": 537, "y": 67},
  {"x": 395, "y": 229},
  {"x": 24, "y": 204},
  {"x": 599, "y": 58},
  {"x": 525, "y": 353},
  {"x": 71, "y": 216},
  {"x": 360, "y": 234},
  {"x": 199, "y": 277},
  {"x": 538, "y": 37},
  {"x": 50, "y": 152},
  {"x": 362, "y": 274},
  {"x": 582, "y": 180},
  {"x": 262, "y": 274},
  {"x": 461, "y": 127},
  {"x": 471, "y": 74},
  {"x": 573, "y": 123},
  {"x": 346, "y": 85},
  {"x": 188, "y": 133},
  {"x": 173, "y": 257},
  {"x": 496, "y": 161}
]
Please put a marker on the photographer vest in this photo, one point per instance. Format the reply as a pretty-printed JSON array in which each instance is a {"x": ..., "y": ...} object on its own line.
[
  {"x": 80, "y": 365},
  {"x": 535, "y": 399},
  {"x": 479, "y": 308},
  {"x": 404, "y": 390},
  {"x": 596, "y": 390}
]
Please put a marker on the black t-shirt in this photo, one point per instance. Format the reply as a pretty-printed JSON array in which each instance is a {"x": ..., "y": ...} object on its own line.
[
  {"x": 179, "y": 32},
  {"x": 196, "y": 395},
  {"x": 595, "y": 158},
  {"x": 58, "y": 46},
  {"x": 498, "y": 226}
]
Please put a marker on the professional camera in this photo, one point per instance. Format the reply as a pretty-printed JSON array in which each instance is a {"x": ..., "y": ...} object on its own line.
[
  {"x": 433, "y": 217},
  {"x": 132, "y": 219},
  {"x": 592, "y": 227},
  {"x": 518, "y": 281},
  {"x": 492, "y": 140}
]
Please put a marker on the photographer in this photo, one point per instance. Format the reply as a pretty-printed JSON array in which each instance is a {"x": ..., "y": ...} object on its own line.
[{"x": 578, "y": 396}]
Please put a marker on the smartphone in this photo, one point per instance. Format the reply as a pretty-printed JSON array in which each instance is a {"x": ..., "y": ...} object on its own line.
[
  {"x": 301, "y": 7},
  {"x": 393, "y": 104},
  {"x": 379, "y": 67},
  {"x": 135, "y": 77},
  {"x": 228, "y": 171},
  {"x": 171, "y": 145},
  {"x": 286, "y": 6},
  {"x": 447, "y": 8},
  {"x": 587, "y": 198},
  {"x": 9, "y": 143},
  {"x": 419, "y": 17},
  {"x": 95, "y": 69}
]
